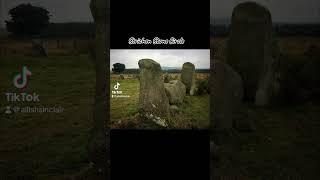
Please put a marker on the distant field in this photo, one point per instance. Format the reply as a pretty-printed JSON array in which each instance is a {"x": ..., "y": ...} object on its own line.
[
  {"x": 292, "y": 46},
  {"x": 54, "y": 47},
  {"x": 194, "y": 112}
]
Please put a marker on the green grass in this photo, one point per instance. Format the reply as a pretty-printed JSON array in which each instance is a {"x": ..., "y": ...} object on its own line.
[
  {"x": 284, "y": 145},
  {"x": 194, "y": 113},
  {"x": 121, "y": 108},
  {"x": 196, "y": 110},
  {"x": 47, "y": 145}
]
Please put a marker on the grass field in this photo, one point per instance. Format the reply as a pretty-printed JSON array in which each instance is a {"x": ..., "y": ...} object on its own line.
[
  {"x": 292, "y": 46},
  {"x": 283, "y": 146},
  {"x": 194, "y": 113},
  {"x": 47, "y": 145}
]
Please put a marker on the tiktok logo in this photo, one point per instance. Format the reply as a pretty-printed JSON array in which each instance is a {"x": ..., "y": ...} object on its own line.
[
  {"x": 116, "y": 87},
  {"x": 20, "y": 81},
  {"x": 118, "y": 93}
]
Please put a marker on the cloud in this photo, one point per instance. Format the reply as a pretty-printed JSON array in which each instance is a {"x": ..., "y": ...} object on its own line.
[{"x": 168, "y": 57}]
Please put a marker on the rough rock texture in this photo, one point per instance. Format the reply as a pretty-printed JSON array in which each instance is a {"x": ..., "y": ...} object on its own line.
[
  {"x": 251, "y": 51},
  {"x": 153, "y": 101},
  {"x": 99, "y": 142},
  {"x": 188, "y": 77},
  {"x": 227, "y": 95},
  {"x": 166, "y": 78},
  {"x": 175, "y": 91}
]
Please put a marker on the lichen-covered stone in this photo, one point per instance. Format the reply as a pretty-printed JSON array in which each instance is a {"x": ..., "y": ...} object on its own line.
[{"x": 153, "y": 99}]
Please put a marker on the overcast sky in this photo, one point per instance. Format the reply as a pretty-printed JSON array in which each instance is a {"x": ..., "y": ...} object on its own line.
[
  {"x": 281, "y": 10},
  {"x": 168, "y": 58},
  {"x": 60, "y": 10}
]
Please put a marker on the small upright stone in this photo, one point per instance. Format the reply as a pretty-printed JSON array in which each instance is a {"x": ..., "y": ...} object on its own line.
[
  {"x": 166, "y": 78},
  {"x": 39, "y": 49},
  {"x": 188, "y": 77}
]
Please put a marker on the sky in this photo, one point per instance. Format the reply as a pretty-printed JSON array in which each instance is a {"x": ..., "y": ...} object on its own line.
[
  {"x": 166, "y": 57},
  {"x": 292, "y": 11},
  {"x": 60, "y": 10}
]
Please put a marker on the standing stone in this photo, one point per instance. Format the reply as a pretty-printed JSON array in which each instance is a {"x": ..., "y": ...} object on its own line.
[
  {"x": 99, "y": 141},
  {"x": 153, "y": 102},
  {"x": 250, "y": 50},
  {"x": 166, "y": 78},
  {"x": 227, "y": 96},
  {"x": 188, "y": 77},
  {"x": 175, "y": 91},
  {"x": 38, "y": 48}
]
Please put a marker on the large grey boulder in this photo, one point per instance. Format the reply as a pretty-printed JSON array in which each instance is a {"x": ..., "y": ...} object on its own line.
[
  {"x": 153, "y": 101},
  {"x": 175, "y": 91},
  {"x": 251, "y": 51},
  {"x": 188, "y": 75}
]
